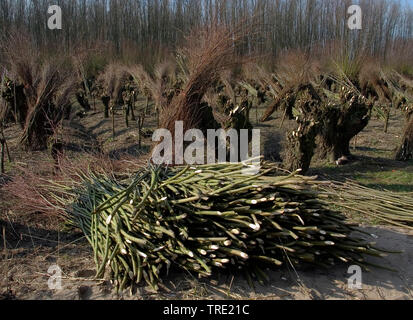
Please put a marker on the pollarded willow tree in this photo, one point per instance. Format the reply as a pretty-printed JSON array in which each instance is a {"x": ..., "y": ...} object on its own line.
[
  {"x": 405, "y": 103},
  {"x": 160, "y": 87},
  {"x": 300, "y": 144},
  {"x": 339, "y": 101},
  {"x": 38, "y": 92},
  {"x": 405, "y": 151},
  {"x": 113, "y": 82},
  {"x": 15, "y": 107},
  {"x": 208, "y": 53},
  {"x": 295, "y": 92},
  {"x": 349, "y": 95}
]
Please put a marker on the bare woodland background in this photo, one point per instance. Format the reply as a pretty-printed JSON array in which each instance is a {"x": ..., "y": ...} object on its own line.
[{"x": 153, "y": 27}]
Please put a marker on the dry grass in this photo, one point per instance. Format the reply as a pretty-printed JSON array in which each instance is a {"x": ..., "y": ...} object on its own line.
[
  {"x": 31, "y": 188},
  {"x": 296, "y": 67}
]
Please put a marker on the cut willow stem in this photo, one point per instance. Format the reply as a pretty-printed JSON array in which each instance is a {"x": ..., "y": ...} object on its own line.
[{"x": 138, "y": 226}]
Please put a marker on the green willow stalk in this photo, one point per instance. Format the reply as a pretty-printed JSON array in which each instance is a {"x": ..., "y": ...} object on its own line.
[{"x": 206, "y": 218}]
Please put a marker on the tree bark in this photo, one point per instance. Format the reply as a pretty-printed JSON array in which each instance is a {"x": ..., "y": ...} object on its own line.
[
  {"x": 83, "y": 101},
  {"x": 387, "y": 119},
  {"x": 299, "y": 150},
  {"x": 112, "y": 109},
  {"x": 16, "y": 104},
  {"x": 301, "y": 143},
  {"x": 2, "y": 147},
  {"x": 405, "y": 150},
  {"x": 340, "y": 126},
  {"x": 105, "y": 101}
]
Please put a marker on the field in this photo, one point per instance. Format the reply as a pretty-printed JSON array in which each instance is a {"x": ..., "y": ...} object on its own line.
[
  {"x": 33, "y": 243},
  {"x": 206, "y": 149}
]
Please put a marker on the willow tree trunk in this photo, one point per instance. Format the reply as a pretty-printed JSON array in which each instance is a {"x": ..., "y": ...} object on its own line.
[
  {"x": 2, "y": 147},
  {"x": 387, "y": 119},
  {"x": 112, "y": 109},
  {"x": 405, "y": 150},
  {"x": 299, "y": 148},
  {"x": 83, "y": 101},
  {"x": 126, "y": 115},
  {"x": 141, "y": 119},
  {"x": 105, "y": 101},
  {"x": 21, "y": 105},
  {"x": 16, "y": 103},
  {"x": 301, "y": 143},
  {"x": 340, "y": 124}
]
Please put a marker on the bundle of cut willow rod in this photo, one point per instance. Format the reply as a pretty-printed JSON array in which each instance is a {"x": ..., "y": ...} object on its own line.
[
  {"x": 389, "y": 207},
  {"x": 203, "y": 218}
]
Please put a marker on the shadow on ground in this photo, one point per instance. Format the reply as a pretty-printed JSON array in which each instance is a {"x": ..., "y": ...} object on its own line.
[{"x": 27, "y": 282}]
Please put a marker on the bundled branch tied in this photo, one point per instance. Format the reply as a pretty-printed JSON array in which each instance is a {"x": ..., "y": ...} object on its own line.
[{"x": 201, "y": 219}]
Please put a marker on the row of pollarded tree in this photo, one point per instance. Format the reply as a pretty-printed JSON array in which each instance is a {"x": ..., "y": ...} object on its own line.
[
  {"x": 204, "y": 87},
  {"x": 196, "y": 86},
  {"x": 37, "y": 92}
]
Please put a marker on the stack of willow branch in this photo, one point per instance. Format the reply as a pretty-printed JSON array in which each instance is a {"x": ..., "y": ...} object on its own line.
[
  {"x": 207, "y": 217},
  {"x": 389, "y": 207}
]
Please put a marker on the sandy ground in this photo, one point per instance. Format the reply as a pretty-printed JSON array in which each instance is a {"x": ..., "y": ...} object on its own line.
[{"x": 27, "y": 277}]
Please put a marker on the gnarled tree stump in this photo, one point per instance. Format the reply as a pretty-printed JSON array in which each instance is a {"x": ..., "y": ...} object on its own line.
[{"x": 405, "y": 150}]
